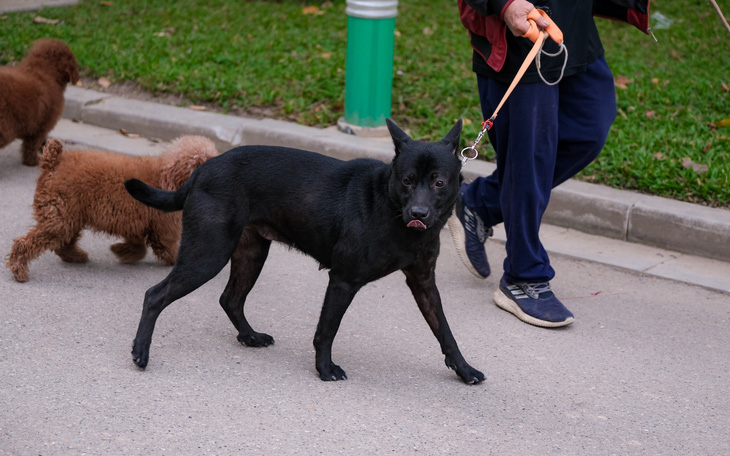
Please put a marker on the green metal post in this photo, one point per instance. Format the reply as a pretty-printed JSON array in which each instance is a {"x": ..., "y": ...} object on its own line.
[{"x": 369, "y": 61}]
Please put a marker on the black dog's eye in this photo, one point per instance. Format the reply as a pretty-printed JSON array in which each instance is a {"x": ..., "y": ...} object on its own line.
[
  {"x": 406, "y": 181},
  {"x": 438, "y": 183}
]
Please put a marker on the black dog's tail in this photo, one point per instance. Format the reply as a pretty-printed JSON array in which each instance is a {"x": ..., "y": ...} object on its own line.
[{"x": 168, "y": 201}]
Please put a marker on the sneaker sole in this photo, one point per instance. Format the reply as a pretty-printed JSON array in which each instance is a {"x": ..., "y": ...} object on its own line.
[
  {"x": 505, "y": 303},
  {"x": 459, "y": 236}
]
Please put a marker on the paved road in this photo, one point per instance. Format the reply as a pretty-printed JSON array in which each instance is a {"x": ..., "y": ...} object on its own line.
[{"x": 644, "y": 370}]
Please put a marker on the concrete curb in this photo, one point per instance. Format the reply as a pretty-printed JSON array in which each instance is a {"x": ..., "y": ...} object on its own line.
[
  {"x": 9, "y": 6},
  {"x": 594, "y": 209}
]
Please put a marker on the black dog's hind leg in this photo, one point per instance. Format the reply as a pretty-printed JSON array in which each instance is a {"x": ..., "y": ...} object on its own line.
[
  {"x": 422, "y": 282},
  {"x": 246, "y": 264},
  {"x": 205, "y": 248},
  {"x": 336, "y": 301}
]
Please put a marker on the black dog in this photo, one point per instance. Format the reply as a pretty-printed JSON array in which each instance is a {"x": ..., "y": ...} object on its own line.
[{"x": 361, "y": 219}]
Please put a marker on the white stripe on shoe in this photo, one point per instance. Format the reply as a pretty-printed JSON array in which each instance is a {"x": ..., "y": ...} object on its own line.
[{"x": 505, "y": 303}]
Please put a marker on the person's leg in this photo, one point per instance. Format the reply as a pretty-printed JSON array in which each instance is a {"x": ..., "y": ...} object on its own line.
[
  {"x": 477, "y": 210},
  {"x": 587, "y": 110},
  {"x": 525, "y": 138}
]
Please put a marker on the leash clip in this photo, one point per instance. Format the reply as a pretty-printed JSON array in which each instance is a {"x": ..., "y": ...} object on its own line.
[
  {"x": 472, "y": 154},
  {"x": 472, "y": 150}
]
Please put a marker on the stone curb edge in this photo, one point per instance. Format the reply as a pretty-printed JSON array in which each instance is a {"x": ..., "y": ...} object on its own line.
[{"x": 595, "y": 209}]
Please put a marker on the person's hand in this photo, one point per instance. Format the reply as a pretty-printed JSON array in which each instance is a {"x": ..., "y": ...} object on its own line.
[{"x": 515, "y": 16}]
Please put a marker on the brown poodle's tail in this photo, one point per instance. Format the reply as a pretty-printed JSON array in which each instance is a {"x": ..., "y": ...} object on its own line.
[
  {"x": 164, "y": 200},
  {"x": 183, "y": 156},
  {"x": 51, "y": 154}
]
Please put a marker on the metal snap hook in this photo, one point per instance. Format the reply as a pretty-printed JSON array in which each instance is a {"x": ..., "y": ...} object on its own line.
[{"x": 468, "y": 153}]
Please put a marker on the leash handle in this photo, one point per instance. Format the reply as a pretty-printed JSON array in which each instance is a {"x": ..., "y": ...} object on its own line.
[{"x": 533, "y": 33}]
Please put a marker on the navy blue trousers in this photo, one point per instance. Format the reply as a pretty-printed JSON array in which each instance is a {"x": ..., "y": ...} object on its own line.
[{"x": 542, "y": 136}]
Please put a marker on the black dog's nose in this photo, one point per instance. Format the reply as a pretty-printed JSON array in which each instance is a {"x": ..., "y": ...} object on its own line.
[{"x": 419, "y": 213}]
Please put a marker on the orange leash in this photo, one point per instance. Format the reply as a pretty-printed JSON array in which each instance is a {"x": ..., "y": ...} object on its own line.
[{"x": 536, "y": 35}]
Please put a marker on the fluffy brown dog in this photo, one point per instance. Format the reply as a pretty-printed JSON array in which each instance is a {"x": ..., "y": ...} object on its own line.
[
  {"x": 85, "y": 189},
  {"x": 31, "y": 95}
]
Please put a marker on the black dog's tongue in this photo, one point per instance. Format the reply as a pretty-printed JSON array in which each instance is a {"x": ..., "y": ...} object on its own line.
[{"x": 416, "y": 224}]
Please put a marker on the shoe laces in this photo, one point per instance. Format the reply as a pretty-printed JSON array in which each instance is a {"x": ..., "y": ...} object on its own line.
[
  {"x": 533, "y": 290},
  {"x": 475, "y": 225}
]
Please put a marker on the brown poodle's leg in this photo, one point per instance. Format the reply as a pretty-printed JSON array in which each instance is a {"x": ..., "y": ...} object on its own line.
[
  {"x": 29, "y": 247},
  {"x": 130, "y": 251},
  {"x": 31, "y": 149},
  {"x": 165, "y": 243},
  {"x": 71, "y": 252}
]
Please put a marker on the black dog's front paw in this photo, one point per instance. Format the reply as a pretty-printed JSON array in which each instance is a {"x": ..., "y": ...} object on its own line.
[
  {"x": 140, "y": 354},
  {"x": 331, "y": 372},
  {"x": 255, "y": 340},
  {"x": 468, "y": 374}
]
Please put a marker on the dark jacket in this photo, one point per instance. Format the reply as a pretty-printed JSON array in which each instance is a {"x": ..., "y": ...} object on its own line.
[{"x": 498, "y": 54}]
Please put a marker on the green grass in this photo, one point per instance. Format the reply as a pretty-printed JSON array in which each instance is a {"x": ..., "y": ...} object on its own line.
[{"x": 244, "y": 55}]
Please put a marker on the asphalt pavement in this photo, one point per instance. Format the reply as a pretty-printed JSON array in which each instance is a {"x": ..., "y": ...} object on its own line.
[{"x": 643, "y": 370}]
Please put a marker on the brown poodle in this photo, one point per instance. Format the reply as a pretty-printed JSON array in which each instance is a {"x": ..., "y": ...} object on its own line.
[
  {"x": 31, "y": 95},
  {"x": 85, "y": 189}
]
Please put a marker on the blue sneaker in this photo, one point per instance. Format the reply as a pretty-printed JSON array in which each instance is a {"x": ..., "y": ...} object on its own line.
[
  {"x": 533, "y": 303},
  {"x": 469, "y": 234}
]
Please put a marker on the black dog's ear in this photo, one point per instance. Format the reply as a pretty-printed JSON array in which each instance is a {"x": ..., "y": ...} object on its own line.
[
  {"x": 400, "y": 137},
  {"x": 453, "y": 137}
]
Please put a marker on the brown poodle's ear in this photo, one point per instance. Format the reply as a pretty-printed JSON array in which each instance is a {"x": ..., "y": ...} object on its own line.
[
  {"x": 69, "y": 67},
  {"x": 72, "y": 70}
]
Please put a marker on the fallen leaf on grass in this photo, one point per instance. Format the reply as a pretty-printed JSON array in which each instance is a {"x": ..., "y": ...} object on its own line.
[
  {"x": 312, "y": 10},
  {"x": 687, "y": 163},
  {"x": 43, "y": 20},
  {"x": 723, "y": 123},
  {"x": 104, "y": 82},
  {"x": 622, "y": 82},
  {"x": 707, "y": 146},
  {"x": 427, "y": 31},
  {"x": 660, "y": 156},
  {"x": 649, "y": 114},
  {"x": 166, "y": 33},
  {"x": 197, "y": 107},
  {"x": 326, "y": 55}
]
